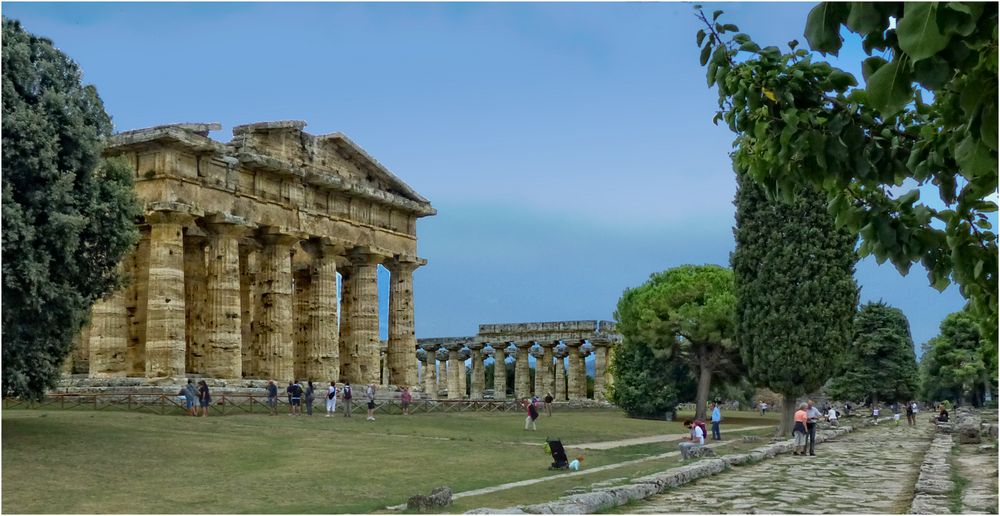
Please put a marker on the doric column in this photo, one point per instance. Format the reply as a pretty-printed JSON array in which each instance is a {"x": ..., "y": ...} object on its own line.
[
  {"x": 109, "y": 336},
  {"x": 165, "y": 313},
  {"x": 478, "y": 383},
  {"x": 444, "y": 377},
  {"x": 500, "y": 371},
  {"x": 454, "y": 348},
  {"x": 195, "y": 299},
  {"x": 463, "y": 385},
  {"x": 573, "y": 371},
  {"x": 430, "y": 370},
  {"x": 600, "y": 368},
  {"x": 249, "y": 261},
  {"x": 348, "y": 362},
  {"x": 540, "y": 372},
  {"x": 223, "y": 312},
  {"x": 364, "y": 340},
  {"x": 301, "y": 299},
  {"x": 139, "y": 299},
  {"x": 560, "y": 376},
  {"x": 422, "y": 370},
  {"x": 402, "y": 362},
  {"x": 322, "y": 351},
  {"x": 581, "y": 384},
  {"x": 81, "y": 351},
  {"x": 384, "y": 366},
  {"x": 548, "y": 387},
  {"x": 522, "y": 370},
  {"x": 274, "y": 331}
]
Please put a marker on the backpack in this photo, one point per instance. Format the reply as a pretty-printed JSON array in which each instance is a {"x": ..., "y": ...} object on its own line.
[
  {"x": 347, "y": 392},
  {"x": 701, "y": 424},
  {"x": 330, "y": 395},
  {"x": 533, "y": 412}
]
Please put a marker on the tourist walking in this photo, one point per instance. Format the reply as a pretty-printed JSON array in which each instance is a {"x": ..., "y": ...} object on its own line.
[
  {"x": 370, "y": 394},
  {"x": 763, "y": 407},
  {"x": 310, "y": 396},
  {"x": 272, "y": 397},
  {"x": 295, "y": 398},
  {"x": 190, "y": 398},
  {"x": 204, "y": 397},
  {"x": 532, "y": 414},
  {"x": 716, "y": 421},
  {"x": 812, "y": 417},
  {"x": 348, "y": 395},
  {"x": 875, "y": 413},
  {"x": 548, "y": 403},
  {"x": 404, "y": 400},
  {"x": 911, "y": 415},
  {"x": 799, "y": 429},
  {"x": 331, "y": 399},
  {"x": 831, "y": 416},
  {"x": 695, "y": 440}
]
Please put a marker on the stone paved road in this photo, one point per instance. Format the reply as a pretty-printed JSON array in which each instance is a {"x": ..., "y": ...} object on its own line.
[{"x": 869, "y": 471}]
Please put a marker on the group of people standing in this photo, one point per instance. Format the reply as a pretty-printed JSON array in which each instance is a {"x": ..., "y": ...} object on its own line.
[
  {"x": 297, "y": 395},
  {"x": 192, "y": 394}
]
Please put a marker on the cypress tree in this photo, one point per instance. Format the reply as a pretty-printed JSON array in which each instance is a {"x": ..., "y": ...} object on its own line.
[
  {"x": 68, "y": 216},
  {"x": 795, "y": 291}
]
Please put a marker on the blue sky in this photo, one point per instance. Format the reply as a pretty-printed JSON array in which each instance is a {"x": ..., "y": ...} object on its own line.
[{"x": 568, "y": 147}]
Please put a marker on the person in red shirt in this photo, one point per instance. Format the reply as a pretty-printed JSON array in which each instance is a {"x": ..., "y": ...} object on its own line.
[{"x": 799, "y": 430}]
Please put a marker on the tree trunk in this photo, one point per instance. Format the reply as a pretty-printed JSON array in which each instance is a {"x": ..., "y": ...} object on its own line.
[
  {"x": 704, "y": 383},
  {"x": 787, "y": 415}
]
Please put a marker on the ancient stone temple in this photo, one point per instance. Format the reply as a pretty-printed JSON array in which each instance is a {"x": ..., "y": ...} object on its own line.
[
  {"x": 243, "y": 247},
  {"x": 560, "y": 350}
]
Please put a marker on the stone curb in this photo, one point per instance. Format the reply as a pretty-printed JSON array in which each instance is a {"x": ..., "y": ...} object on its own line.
[
  {"x": 934, "y": 482},
  {"x": 606, "y": 498}
]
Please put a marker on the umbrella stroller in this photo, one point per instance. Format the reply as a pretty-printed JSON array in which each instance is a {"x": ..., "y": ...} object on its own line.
[{"x": 558, "y": 454}]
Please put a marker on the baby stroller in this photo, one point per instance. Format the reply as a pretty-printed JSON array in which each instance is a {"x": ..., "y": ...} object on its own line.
[{"x": 558, "y": 453}]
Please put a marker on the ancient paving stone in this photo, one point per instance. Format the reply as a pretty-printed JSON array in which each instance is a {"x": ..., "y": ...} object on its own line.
[{"x": 839, "y": 479}]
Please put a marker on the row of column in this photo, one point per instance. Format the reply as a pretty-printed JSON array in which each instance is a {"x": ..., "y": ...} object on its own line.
[
  {"x": 222, "y": 300},
  {"x": 564, "y": 382}
]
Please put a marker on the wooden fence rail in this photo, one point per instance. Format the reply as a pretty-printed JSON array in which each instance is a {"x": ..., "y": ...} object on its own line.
[{"x": 224, "y": 404}]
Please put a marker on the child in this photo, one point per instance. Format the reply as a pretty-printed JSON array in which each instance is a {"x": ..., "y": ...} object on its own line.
[{"x": 575, "y": 465}]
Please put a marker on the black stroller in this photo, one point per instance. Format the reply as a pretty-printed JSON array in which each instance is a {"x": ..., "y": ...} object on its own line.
[{"x": 558, "y": 454}]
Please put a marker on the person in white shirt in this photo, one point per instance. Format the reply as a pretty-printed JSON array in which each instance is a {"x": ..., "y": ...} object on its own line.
[
  {"x": 331, "y": 400},
  {"x": 831, "y": 416},
  {"x": 875, "y": 413},
  {"x": 695, "y": 440}
]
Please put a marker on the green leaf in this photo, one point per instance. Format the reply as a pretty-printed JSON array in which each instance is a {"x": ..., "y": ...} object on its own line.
[
  {"x": 932, "y": 73},
  {"x": 918, "y": 31},
  {"x": 793, "y": 43},
  {"x": 700, "y": 37},
  {"x": 729, "y": 27},
  {"x": 909, "y": 197},
  {"x": 974, "y": 159},
  {"x": 705, "y": 53},
  {"x": 889, "y": 88},
  {"x": 823, "y": 27},
  {"x": 716, "y": 14},
  {"x": 842, "y": 80},
  {"x": 988, "y": 127},
  {"x": 870, "y": 66},
  {"x": 978, "y": 271},
  {"x": 864, "y": 18},
  {"x": 958, "y": 18}
]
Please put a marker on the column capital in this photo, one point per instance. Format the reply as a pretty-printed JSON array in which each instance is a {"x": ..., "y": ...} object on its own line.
[
  {"x": 548, "y": 343},
  {"x": 402, "y": 264},
  {"x": 524, "y": 344},
  {"x": 559, "y": 353},
  {"x": 180, "y": 218},
  {"x": 488, "y": 352},
  {"x": 538, "y": 353},
  {"x": 323, "y": 247},
  {"x": 442, "y": 355},
  {"x": 464, "y": 354},
  {"x": 366, "y": 255},
  {"x": 277, "y": 236},
  {"x": 421, "y": 355},
  {"x": 430, "y": 348},
  {"x": 453, "y": 346},
  {"x": 573, "y": 343},
  {"x": 476, "y": 346},
  {"x": 601, "y": 343}
]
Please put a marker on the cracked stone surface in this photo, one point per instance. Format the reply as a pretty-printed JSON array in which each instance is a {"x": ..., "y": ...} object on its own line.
[
  {"x": 871, "y": 471},
  {"x": 979, "y": 468}
]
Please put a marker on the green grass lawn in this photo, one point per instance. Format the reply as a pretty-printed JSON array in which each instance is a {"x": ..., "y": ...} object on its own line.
[{"x": 77, "y": 461}]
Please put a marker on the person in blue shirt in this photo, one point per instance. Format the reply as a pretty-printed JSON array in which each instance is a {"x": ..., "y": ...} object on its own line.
[{"x": 716, "y": 419}]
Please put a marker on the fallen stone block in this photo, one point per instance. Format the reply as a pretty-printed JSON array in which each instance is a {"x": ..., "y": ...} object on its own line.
[{"x": 439, "y": 497}]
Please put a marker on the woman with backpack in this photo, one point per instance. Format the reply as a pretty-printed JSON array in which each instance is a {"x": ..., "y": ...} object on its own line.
[
  {"x": 532, "y": 414},
  {"x": 331, "y": 399},
  {"x": 347, "y": 399}
]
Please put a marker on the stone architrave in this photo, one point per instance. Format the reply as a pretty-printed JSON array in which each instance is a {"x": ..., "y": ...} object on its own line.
[
  {"x": 600, "y": 368},
  {"x": 364, "y": 341},
  {"x": 548, "y": 386},
  {"x": 478, "y": 383},
  {"x": 430, "y": 370},
  {"x": 454, "y": 352},
  {"x": 402, "y": 339},
  {"x": 322, "y": 350},
  {"x": 275, "y": 330},
  {"x": 223, "y": 348},
  {"x": 573, "y": 371},
  {"x": 165, "y": 313},
  {"x": 109, "y": 337},
  {"x": 541, "y": 372},
  {"x": 500, "y": 371},
  {"x": 560, "y": 376}
]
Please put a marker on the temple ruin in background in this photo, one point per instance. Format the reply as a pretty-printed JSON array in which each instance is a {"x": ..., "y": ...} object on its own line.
[
  {"x": 559, "y": 348},
  {"x": 243, "y": 246}
]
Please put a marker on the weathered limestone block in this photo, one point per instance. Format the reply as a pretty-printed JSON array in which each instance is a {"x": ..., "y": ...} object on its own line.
[
  {"x": 165, "y": 308},
  {"x": 364, "y": 341},
  {"x": 275, "y": 330},
  {"x": 573, "y": 372},
  {"x": 934, "y": 482},
  {"x": 223, "y": 324},
  {"x": 522, "y": 378},
  {"x": 560, "y": 375},
  {"x": 439, "y": 497},
  {"x": 402, "y": 339},
  {"x": 969, "y": 429},
  {"x": 478, "y": 383},
  {"x": 500, "y": 371}
]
